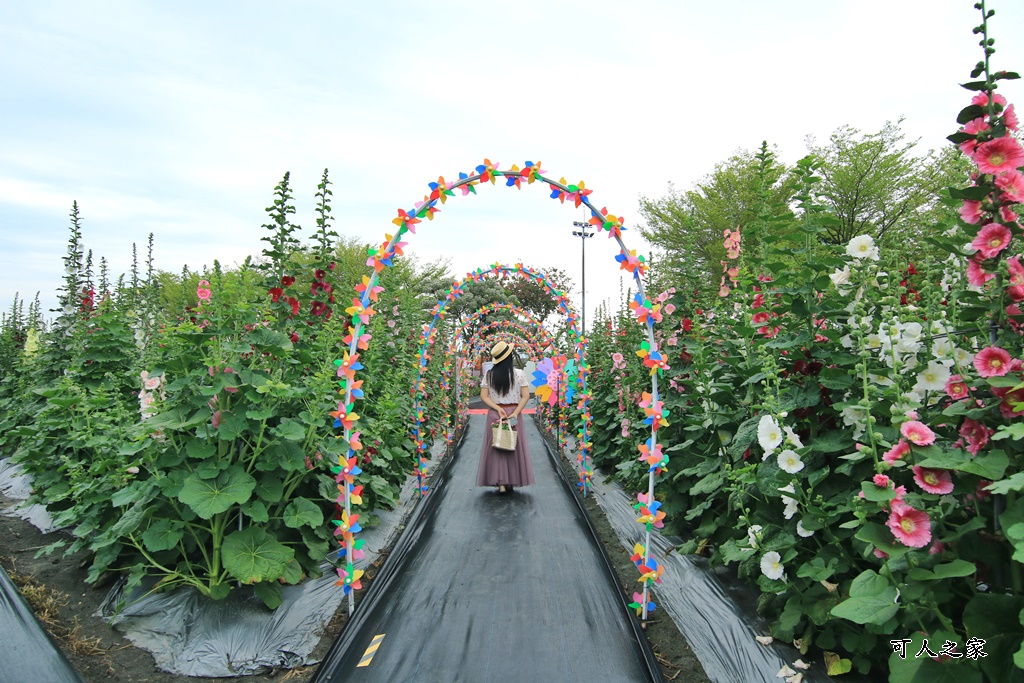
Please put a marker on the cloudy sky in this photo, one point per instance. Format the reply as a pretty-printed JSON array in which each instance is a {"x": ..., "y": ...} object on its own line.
[{"x": 179, "y": 118}]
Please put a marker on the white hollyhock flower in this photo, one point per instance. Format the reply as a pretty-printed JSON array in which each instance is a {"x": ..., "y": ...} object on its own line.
[
  {"x": 790, "y": 462},
  {"x": 910, "y": 337},
  {"x": 790, "y": 502},
  {"x": 792, "y": 437},
  {"x": 841, "y": 277},
  {"x": 804, "y": 533},
  {"x": 769, "y": 435},
  {"x": 861, "y": 247},
  {"x": 932, "y": 378},
  {"x": 771, "y": 565},
  {"x": 753, "y": 533},
  {"x": 962, "y": 357}
]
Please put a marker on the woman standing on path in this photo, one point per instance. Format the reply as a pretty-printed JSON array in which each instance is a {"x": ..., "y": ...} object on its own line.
[{"x": 505, "y": 390}]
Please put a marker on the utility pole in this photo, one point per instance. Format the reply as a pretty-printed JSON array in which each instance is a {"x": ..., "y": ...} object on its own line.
[{"x": 583, "y": 234}]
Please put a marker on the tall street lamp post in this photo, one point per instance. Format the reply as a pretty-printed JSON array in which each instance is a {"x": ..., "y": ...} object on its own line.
[{"x": 583, "y": 234}]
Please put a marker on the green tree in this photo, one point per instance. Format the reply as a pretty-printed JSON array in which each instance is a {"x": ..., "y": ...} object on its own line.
[
  {"x": 686, "y": 228},
  {"x": 878, "y": 185}
]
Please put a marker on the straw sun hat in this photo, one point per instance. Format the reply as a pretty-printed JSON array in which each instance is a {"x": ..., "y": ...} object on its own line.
[{"x": 501, "y": 351}]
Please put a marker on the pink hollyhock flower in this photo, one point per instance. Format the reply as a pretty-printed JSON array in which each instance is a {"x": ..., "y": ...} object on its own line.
[
  {"x": 936, "y": 548},
  {"x": 216, "y": 419},
  {"x": 1009, "y": 400},
  {"x": 896, "y": 452},
  {"x": 759, "y": 318},
  {"x": 991, "y": 239},
  {"x": 881, "y": 480},
  {"x": 992, "y": 361},
  {"x": 880, "y": 554},
  {"x": 932, "y": 480},
  {"x": 1010, "y": 118},
  {"x": 999, "y": 155},
  {"x": 981, "y": 99},
  {"x": 1012, "y": 185},
  {"x": 975, "y": 434},
  {"x": 917, "y": 433},
  {"x": 203, "y": 290},
  {"x": 956, "y": 387},
  {"x": 911, "y": 527},
  {"x": 900, "y": 492},
  {"x": 1015, "y": 287},
  {"x": 970, "y": 211},
  {"x": 972, "y": 128},
  {"x": 669, "y": 309},
  {"x": 976, "y": 275},
  {"x": 758, "y": 300}
]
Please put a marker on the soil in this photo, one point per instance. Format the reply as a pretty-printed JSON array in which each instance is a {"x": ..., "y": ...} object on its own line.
[{"x": 55, "y": 587}]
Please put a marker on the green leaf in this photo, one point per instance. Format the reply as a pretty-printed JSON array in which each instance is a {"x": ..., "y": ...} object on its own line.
[
  {"x": 252, "y": 555},
  {"x": 880, "y": 537},
  {"x": 231, "y": 426},
  {"x": 1013, "y": 431},
  {"x": 832, "y": 441},
  {"x": 209, "y": 497},
  {"x": 290, "y": 429},
  {"x": 302, "y": 512},
  {"x": 950, "y": 570},
  {"x": 163, "y": 535},
  {"x": 990, "y": 465},
  {"x": 256, "y": 511},
  {"x": 131, "y": 519},
  {"x": 995, "y": 618},
  {"x": 270, "y": 488},
  {"x": 261, "y": 412},
  {"x": 817, "y": 570},
  {"x": 269, "y": 593},
  {"x": 836, "y": 666},
  {"x": 874, "y": 610},
  {"x": 287, "y": 455},
  {"x": 969, "y": 113}
]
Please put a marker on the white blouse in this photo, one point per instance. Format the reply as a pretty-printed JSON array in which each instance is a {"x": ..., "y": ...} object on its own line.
[{"x": 518, "y": 382}]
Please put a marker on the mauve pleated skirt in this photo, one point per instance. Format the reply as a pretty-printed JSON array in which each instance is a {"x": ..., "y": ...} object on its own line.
[{"x": 505, "y": 468}]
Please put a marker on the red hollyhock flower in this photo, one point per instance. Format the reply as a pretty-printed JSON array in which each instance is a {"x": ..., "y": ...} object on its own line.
[
  {"x": 294, "y": 303},
  {"x": 275, "y": 293},
  {"x": 287, "y": 280}
]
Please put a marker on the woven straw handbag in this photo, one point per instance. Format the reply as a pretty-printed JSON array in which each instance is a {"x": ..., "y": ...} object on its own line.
[{"x": 503, "y": 437}]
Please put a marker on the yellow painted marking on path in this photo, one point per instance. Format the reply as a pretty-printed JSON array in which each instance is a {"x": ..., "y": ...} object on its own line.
[{"x": 368, "y": 655}]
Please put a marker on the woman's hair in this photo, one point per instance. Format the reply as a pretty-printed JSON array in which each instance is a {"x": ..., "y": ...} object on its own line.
[{"x": 499, "y": 377}]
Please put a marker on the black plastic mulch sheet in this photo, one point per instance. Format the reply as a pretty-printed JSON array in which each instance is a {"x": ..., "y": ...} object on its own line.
[
  {"x": 27, "y": 654},
  {"x": 489, "y": 587},
  {"x": 714, "y": 611}
]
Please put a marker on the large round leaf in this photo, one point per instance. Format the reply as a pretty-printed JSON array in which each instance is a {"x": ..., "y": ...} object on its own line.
[
  {"x": 208, "y": 497},
  {"x": 163, "y": 535},
  {"x": 302, "y": 512},
  {"x": 252, "y": 555}
]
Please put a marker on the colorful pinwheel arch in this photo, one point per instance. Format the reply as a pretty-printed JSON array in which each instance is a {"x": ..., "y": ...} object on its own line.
[{"x": 530, "y": 174}]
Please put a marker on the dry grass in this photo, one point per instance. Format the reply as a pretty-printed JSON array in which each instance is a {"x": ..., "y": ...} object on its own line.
[{"x": 299, "y": 672}]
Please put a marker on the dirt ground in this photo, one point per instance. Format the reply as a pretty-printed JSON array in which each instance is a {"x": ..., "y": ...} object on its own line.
[{"x": 56, "y": 589}]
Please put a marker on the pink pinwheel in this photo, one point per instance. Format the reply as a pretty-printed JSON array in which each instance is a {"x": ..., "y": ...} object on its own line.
[{"x": 406, "y": 220}]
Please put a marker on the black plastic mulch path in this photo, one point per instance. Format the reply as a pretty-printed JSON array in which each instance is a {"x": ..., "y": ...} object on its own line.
[{"x": 487, "y": 587}]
